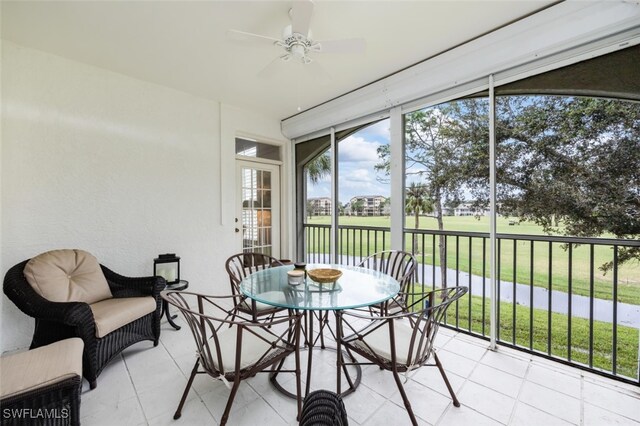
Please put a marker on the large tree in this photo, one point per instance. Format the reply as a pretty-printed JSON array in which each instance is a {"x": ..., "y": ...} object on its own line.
[
  {"x": 569, "y": 164},
  {"x": 578, "y": 171},
  {"x": 440, "y": 152}
]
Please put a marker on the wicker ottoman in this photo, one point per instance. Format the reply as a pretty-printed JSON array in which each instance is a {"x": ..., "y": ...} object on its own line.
[
  {"x": 323, "y": 408},
  {"x": 42, "y": 386}
]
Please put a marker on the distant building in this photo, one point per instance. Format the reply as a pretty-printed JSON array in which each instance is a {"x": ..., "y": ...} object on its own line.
[
  {"x": 320, "y": 206},
  {"x": 365, "y": 205},
  {"x": 467, "y": 209}
]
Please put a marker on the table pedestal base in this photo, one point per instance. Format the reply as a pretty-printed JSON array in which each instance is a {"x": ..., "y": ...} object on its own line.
[{"x": 310, "y": 343}]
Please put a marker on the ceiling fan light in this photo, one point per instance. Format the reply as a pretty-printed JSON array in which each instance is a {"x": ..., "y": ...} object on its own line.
[{"x": 298, "y": 51}]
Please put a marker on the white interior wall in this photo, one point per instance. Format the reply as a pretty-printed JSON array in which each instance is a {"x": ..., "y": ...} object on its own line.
[
  {"x": 2, "y": 298},
  {"x": 119, "y": 167}
]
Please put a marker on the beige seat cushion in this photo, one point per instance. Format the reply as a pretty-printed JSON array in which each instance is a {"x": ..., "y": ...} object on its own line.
[
  {"x": 275, "y": 296},
  {"x": 111, "y": 314},
  {"x": 253, "y": 347},
  {"x": 378, "y": 341},
  {"x": 46, "y": 365},
  {"x": 67, "y": 276}
]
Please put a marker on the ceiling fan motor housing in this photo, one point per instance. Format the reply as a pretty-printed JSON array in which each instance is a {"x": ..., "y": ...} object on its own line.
[{"x": 297, "y": 45}]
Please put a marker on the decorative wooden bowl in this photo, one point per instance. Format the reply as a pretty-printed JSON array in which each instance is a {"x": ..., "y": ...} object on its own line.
[{"x": 324, "y": 275}]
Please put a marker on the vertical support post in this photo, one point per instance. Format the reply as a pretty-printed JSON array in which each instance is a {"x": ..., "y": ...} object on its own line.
[
  {"x": 333, "y": 240},
  {"x": 396, "y": 142},
  {"x": 493, "y": 327},
  {"x": 300, "y": 240}
]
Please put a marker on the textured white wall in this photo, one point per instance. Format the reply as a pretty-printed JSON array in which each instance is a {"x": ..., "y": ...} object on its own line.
[{"x": 119, "y": 167}]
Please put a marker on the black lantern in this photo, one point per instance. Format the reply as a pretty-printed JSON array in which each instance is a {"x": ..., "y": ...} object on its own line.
[{"x": 167, "y": 266}]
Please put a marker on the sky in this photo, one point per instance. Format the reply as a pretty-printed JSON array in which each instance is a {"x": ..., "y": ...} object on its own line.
[{"x": 357, "y": 158}]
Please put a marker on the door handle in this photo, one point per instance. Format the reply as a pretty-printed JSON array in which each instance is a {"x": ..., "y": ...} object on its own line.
[{"x": 237, "y": 230}]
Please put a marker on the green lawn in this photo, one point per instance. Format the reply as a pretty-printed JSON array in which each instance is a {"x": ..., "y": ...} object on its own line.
[
  {"x": 470, "y": 254},
  {"x": 627, "y": 339}
]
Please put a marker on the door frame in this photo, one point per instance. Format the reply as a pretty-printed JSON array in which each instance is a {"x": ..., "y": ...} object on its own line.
[{"x": 275, "y": 167}]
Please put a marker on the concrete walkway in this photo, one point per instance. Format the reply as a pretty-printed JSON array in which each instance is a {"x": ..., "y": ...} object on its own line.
[{"x": 628, "y": 314}]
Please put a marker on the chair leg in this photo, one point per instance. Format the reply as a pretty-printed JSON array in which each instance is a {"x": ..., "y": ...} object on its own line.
[
  {"x": 178, "y": 413},
  {"x": 407, "y": 404},
  {"x": 446, "y": 380},
  {"x": 298, "y": 372},
  {"x": 227, "y": 409}
]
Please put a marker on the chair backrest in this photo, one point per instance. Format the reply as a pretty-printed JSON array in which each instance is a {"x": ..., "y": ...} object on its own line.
[
  {"x": 229, "y": 344},
  {"x": 398, "y": 264},
  {"x": 241, "y": 265},
  {"x": 426, "y": 322}
]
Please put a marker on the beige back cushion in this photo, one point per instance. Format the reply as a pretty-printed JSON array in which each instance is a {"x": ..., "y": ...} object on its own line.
[{"x": 67, "y": 276}]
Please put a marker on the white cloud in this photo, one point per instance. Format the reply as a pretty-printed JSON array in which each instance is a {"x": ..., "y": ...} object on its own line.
[
  {"x": 358, "y": 156},
  {"x": 357, "y": 149},
  {"x": 357, "y": 175},
  {"x": 379, "y": 129}
]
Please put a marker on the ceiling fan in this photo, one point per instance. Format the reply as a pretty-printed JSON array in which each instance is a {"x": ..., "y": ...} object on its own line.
[{"x": 297, "y": 44}]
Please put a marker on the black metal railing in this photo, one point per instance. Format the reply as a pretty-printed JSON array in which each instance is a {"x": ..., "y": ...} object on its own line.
[
  {"x": 554, "y": 299},
  {"x": 354, "y": 243}
]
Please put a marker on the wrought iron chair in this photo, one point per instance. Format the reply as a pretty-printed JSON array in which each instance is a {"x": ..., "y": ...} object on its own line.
[
  {"x": 232, "y": 347},
  {"x": 241, "y": 265},
  {"x": 402, "y": 342},
  {"x": 401, "y": 266}
]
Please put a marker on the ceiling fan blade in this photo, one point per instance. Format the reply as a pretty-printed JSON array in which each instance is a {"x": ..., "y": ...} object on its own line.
[
  {"x": 274, "y": 67},
  {"x": 349, "y": 45},
  {"x": 301, "y": 13},
  {"x": 245, "y": 36},
  {"x": 318, "y": 72}
]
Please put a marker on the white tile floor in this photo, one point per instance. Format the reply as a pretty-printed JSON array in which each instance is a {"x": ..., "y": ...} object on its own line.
[{"x": 144, "y": 385}]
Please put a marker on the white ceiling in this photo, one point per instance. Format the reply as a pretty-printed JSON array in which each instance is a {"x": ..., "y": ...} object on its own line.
[{"x": 182, "y": 44}]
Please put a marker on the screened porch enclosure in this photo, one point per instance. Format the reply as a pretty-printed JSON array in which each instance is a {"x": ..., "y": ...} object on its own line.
[{"x": 537, "y": 177}]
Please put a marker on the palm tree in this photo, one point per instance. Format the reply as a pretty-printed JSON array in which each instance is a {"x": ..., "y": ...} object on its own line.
[
  {"x": 358, "y": 206},
  {"x": 417, "y": 201},
  {"x": 318, "y": 168}
]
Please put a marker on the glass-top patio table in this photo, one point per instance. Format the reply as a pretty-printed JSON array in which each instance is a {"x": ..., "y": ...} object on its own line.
[{"x": 356, "y": 288}]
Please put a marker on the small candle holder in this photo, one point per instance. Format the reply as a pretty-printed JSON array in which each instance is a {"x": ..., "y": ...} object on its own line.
[
  {"x": 295, "y": 277},
  {"x": 167, "y": 266}
]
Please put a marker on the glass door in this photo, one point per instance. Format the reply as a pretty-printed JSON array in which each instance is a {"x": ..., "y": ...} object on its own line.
[{"x": 258, "y": 217}]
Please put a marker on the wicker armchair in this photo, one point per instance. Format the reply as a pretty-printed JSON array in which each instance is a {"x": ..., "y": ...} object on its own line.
[
  {"x": 231, "y": 347},
  {"x": 55, "y": 320},
  {"x": 399, "y": 343},
  {"x": 401, "y": 266},
  {"x": 241, "y": 265}
]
